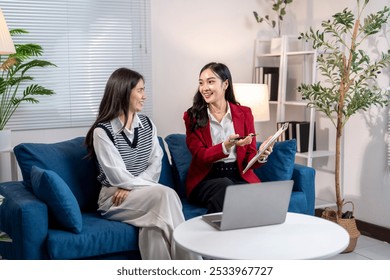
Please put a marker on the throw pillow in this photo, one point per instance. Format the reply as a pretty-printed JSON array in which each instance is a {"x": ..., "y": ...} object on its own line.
[
  {"x": 62, "y": 204},
  {"x": 280, "y": 164},
  {"x": 166, "y": 170},
  {"x": 68, "y": 160}
]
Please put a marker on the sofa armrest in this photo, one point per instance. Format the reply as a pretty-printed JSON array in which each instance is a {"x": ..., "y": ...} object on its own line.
[
  {"x": 304, "y": 181},
  {"x": 25, "y": 219}
]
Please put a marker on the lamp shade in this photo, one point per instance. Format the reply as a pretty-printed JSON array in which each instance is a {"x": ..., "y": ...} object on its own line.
[
  {"x": 254, "y": 96},
  {"x": 6, "y": 43}
]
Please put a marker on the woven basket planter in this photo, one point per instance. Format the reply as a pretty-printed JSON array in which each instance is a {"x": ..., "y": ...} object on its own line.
[{"x": 348, "y": 223}]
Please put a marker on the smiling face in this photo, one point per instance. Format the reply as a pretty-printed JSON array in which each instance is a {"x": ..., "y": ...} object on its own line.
[
  {"x": 137, "y": 97},
  {"x": 212, "y": 87}
]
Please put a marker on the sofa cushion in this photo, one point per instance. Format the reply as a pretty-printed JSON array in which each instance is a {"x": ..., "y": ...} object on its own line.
[
  {"x": 98, "y": 237},
  {"x": 191, "y": 211},
  {"x": 63, "y": 206},
  {"x": 181, "y": 160},
  {"x": 166, "y": 177},
  {"x": 68, "y": 160},
  {"x": 280, "y": 164}
]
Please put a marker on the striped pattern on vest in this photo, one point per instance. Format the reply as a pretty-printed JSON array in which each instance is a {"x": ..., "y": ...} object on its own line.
[{"x": 135, "y": 154}]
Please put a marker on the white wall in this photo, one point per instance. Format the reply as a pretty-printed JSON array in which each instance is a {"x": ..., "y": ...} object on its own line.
[
  {"x": 188, "y": 34},
  {"x": 185, "y": 36}
]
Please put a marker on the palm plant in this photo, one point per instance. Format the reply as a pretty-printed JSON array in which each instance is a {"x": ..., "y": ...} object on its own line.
[
  {"x": 14, "y": 74},
  {"x": 349, "y": 72}
]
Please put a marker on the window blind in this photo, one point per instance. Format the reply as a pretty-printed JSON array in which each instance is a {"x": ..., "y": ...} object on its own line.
[{"x": 87, "y": 40}]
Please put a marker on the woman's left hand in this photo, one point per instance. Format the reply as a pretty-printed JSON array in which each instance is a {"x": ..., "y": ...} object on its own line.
[{"x": 268, "y": 151}]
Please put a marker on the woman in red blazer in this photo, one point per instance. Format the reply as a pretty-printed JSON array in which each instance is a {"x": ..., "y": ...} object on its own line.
[{"x": 213, "y": 123}]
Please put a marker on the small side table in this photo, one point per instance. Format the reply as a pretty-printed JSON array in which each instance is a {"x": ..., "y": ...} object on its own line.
[
  {"x": 3, "y": 236},
  {"x": 13, "y": 163}
]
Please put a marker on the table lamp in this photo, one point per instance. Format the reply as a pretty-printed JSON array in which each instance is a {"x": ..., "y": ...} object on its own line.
[
  {"x": 6, "y": 43},
  {"x": 254, "y": 96}
]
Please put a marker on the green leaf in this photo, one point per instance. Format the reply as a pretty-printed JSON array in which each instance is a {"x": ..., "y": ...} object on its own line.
[
  {"x": 14, "y": 78},
  {"x": 17, "y": 31},
  {"x": 36, "y": 90},
  {"x": 26, "y": 51}
]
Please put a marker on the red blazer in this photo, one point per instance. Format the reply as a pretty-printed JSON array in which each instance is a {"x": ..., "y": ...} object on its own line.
[{"x": 204, "y": 154}]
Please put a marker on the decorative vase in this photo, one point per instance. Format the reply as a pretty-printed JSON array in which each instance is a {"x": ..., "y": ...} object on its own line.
[
  {"x": 276, "y": 45},
  {"x": 5, "y": 140}
]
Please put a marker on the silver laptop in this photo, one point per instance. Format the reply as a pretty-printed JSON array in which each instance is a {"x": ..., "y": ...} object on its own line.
[{"x": 252, "y": 205}]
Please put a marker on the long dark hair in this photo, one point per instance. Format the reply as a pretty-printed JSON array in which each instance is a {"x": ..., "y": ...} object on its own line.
[
  {"x": 198, "y": 112},
  {"x": 115, "y": 101}
]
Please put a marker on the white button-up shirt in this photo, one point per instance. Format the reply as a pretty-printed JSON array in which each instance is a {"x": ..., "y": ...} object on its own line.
[
  {"x": 111, "y": 161},
  {"x": 220, "y": 131}
]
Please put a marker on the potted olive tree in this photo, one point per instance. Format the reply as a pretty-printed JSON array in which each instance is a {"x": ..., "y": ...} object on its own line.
[
  {"x": 349, "y": 73},
  {"x": 15, "y": 81}
]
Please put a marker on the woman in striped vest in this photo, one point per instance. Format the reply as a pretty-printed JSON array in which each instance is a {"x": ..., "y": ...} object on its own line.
[{"x": 129, "y": 156}]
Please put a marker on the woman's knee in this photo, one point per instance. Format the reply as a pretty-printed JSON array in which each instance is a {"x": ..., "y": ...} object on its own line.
[
  {"x": 225, "y": 182},
  {"x": 163, "y": 192}
]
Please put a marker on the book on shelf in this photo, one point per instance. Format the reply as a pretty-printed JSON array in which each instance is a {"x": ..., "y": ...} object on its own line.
[
  {"x": 258, "y": 75},
  {"x": 272, "y": 74},
  {"x": 282, "y": 137},
  {"x": 270, "y": 77},
  {"x": 300, "y": 131}
]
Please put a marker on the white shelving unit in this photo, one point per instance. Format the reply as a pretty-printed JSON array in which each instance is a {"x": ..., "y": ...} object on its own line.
[{"x": 296, "y": 61}]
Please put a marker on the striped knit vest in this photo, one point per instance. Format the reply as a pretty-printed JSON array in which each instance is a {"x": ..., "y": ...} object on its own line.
[{"x": 135, "y": 154}]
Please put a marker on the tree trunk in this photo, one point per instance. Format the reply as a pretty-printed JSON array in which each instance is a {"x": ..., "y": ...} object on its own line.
[
  {"x": 345, "y": 83},
  {"x": 339, "y": 199}
]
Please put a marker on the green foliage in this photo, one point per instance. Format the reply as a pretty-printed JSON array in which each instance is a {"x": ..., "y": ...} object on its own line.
[
  {"x": 14, "y": 73},
  {"x": 279, "y": 6},
  {"x": 350, "y": 73}
]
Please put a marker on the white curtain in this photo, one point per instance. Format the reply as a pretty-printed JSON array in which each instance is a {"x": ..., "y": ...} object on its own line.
[{"x": 87, "y": 40}]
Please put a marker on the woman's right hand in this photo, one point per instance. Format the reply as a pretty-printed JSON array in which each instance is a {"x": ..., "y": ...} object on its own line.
[
  {"x": 231, "y": 141},
  {"x": 120, "y": 196}
]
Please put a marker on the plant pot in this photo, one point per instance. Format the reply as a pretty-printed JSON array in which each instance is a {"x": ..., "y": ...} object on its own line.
[
  {"x": 349, "y": 224},
  {"x": 276, "y": 45},
  {"x": 5, "y": 140},
  {"x": 354, "y": 233}
]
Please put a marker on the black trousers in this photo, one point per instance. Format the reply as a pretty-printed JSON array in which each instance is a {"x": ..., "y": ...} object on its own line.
[{"x": 210, "y": 193}]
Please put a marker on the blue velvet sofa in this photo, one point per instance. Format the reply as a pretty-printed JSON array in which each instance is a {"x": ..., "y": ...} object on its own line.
[{"x": 51, "y": 214}]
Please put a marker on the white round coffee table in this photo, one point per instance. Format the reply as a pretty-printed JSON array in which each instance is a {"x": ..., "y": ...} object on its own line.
[{"x": 299, "y": 237}]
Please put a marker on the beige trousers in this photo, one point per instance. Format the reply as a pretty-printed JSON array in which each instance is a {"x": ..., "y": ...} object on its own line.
[{"x": 156, "y": 210}]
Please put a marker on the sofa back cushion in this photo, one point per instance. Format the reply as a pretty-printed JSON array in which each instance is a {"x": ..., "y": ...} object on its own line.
[
  {"x": 67, "y": 159},
  {"x": 181, "y": 160},
  {"x": 166, "y": 177}
]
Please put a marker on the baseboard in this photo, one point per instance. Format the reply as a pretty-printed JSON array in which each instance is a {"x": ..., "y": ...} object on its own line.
[{"x": 368, "y": 229}]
